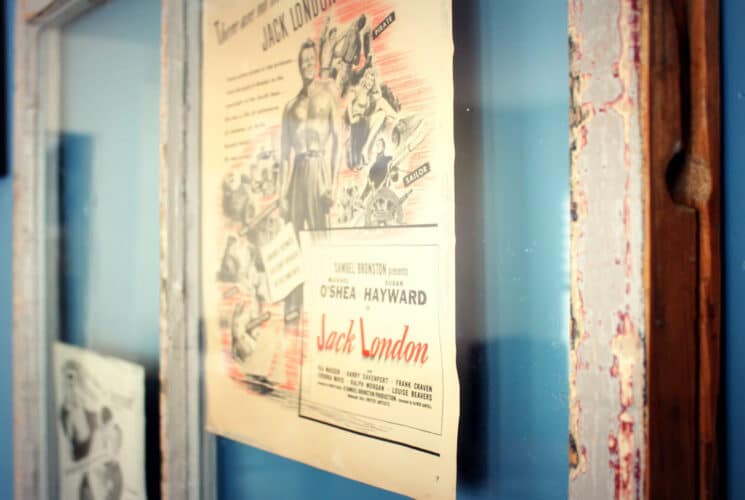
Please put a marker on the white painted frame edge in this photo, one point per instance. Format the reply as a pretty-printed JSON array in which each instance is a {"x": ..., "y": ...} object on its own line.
[
  {"x": 188, "y": 450},
  {"x": 33, "y": 331}
]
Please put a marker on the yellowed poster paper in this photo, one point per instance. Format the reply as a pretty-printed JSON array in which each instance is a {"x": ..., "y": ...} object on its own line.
[{"x": 328, "y": 239}]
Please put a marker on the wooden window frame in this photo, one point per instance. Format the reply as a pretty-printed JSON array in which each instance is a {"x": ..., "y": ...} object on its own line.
[
  {"x": 189, "y": 457},
  {"x": 645, "y": 249},
  {"x": 187, "y": 448},
  {"x": 618, "y": 396},
  {"x": 37, "y": 73}
]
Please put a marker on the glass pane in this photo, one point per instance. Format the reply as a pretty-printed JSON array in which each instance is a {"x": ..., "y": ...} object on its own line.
[
  {"x": 108, "y": 185},
  {"x": 512, "y": 179},
  {"x": 109, "y": 179}
]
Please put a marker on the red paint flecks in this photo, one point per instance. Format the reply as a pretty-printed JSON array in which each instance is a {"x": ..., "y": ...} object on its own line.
[
  {"x": 624, "y": 450},
  {"x": 623, "y": 461},
  {"x": 625, "y": 348},
  {"x": 635, "y": 25}
]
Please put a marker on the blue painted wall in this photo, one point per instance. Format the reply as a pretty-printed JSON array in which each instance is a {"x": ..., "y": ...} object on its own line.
[
  {"x": 529, "y": 260},
  {"x": 513, "y": 94},
  {"x": 733, "y": 105},
  {"x": 6, "y": 287}
]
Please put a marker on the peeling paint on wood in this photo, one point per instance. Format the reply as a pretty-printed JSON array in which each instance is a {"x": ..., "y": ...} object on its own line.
[
  {"x": 607, "y": 357},
  {"x": 32, "y": 8},
  {"x": 55, "y": 12},
  {"x": 34, "y": 320},
  {"x": 30, "y": 464}
]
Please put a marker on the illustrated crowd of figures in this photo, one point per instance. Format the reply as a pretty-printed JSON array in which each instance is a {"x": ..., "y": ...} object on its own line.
[
  {"x": 343, "y": 120},
  {"x": 92, "y": 436}
]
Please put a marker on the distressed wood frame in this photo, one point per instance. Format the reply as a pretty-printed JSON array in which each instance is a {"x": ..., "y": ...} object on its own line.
[
  {"x": 615, "y": 326},
  {"x": 607, "y": 266},
  {"x": 683, "y": 160},
  {"x": 645, "y": 251},
  {"x": 35, "y": 112},
  {"x": 188, "y": 450}
]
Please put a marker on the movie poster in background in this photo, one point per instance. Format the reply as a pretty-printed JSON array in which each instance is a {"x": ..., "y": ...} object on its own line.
[
  {"x": 100, "y": 422},
  {"x": 327, "y": 235}
]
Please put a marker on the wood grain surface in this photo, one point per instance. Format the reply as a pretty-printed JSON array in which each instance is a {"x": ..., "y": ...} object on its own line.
[{"x": 685, "y": 283}]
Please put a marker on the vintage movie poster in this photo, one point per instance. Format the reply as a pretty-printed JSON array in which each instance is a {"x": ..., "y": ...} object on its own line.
[
  {"x": 328, "y": 238},
  {"x": 100, "y": 421}
]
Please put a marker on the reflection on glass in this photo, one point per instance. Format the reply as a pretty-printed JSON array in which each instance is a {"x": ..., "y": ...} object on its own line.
[
  {"x": 104, "y": 190},
  {"x": 512, "y": 179}
]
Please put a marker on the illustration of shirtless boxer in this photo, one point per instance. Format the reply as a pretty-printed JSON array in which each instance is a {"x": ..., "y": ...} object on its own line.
[{"x": 310, "y": 144}]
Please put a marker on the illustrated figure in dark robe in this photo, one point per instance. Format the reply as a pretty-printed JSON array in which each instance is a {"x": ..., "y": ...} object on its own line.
[{"x": 381, "y": 172}]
